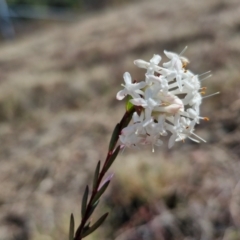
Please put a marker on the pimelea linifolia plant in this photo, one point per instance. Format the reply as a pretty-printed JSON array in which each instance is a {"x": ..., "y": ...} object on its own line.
[{"x": 163, "y": 105}]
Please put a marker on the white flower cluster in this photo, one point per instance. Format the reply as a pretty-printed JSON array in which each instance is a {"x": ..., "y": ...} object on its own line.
[{"x": 168, "y": 102}]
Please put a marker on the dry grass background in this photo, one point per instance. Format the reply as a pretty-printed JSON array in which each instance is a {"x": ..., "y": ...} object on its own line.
[{"x": 58, "y": 108}]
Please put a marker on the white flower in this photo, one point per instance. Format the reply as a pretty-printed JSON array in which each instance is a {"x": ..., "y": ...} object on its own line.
[
  {"x": 152, "y": 64},
  {"x": 132, "y": 89},
  {"x": 147, "y": 102},
  {"x": 168, "y": 101}
]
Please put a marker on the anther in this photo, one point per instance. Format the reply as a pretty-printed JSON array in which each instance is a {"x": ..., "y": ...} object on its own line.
[{"x": 184, "y": 65}]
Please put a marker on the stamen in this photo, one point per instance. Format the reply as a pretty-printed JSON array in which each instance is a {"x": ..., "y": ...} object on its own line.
[
  {"x": 204, "y": 118},
  {"x": 203, "y": 88},
  {"x": 183, "y": 51},
  {"x": 203, "y": 92},
  {"x": 194, "y": 140},
  {"x": 184, "y": 65},
  {"x": 206, "y": 77},
  {"x": 180, "y": 137},
  {"x": 198, "y": 137},
  {"x": 204, "y": 73},
  {"x": 153, "y": 148},
  {"x": 211, "y": 95}
]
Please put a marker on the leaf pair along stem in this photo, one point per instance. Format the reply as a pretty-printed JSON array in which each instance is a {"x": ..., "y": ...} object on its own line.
[{"x": 99, "y": 188}]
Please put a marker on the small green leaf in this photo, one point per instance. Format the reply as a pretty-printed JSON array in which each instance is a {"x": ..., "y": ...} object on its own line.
[
  {"x": 92, "y": 209},
  {"x": 71, "y": 228},
  {"x": 129, "y": 105},
  {"x": 101, "y": 191},
  {"x": 87, "y": 225},
  {"x": 127, "y": 118},
  {"x": 111, "y": 159},
  {"x": 114, "y": 137},
  {"x": 96, "y": 174},
  {"x": 95, "y": 225},
  {"x": 84, "y": 201},
  {"x": 85, "y": 229}
]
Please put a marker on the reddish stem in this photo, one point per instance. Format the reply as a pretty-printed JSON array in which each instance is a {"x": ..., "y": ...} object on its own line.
[{"x": 123, "y": 122}]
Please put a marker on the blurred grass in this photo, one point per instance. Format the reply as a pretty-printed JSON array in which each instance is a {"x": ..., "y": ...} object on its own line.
[
  {"x": 72, "y": 4},
  {"x": 58, "y": 108}
]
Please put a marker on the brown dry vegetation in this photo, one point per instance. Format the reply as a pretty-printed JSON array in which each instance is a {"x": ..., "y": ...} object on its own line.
[{"x": 58, "y": 108}]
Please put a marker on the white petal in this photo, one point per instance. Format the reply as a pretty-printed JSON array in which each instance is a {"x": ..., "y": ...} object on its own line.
[
  {"x": 138, "y": 102},
  {"x": 121, "y": 94},
  {"x": 179, "y": 81},
  {"x": 152, "y": 103},
  {"x": 170, "y": 55},
  {"x": 141, "y": 63},
  {"x": 136, "y": 86},
  {"x": 156, "y": 59},
  {"x": 171, "y": 141},
  {"x": 147, "y": 121},
  {"x": 136, "y": 118},
  {"x": 127, "y": 78},
  {"x": 167, "y": 64},
  {"x": 173, "y": 108},
  {"x": 148, "y": 93}
]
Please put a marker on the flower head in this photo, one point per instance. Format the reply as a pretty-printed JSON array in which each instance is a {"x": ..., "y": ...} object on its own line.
[{"x": 168, "y": 102}]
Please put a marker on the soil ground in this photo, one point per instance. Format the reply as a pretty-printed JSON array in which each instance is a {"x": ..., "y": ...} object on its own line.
[{"x": 58, "y": 109}]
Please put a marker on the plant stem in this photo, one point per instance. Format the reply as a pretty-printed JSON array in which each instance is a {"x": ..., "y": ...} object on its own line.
[{"x": 123, "y": 123}]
